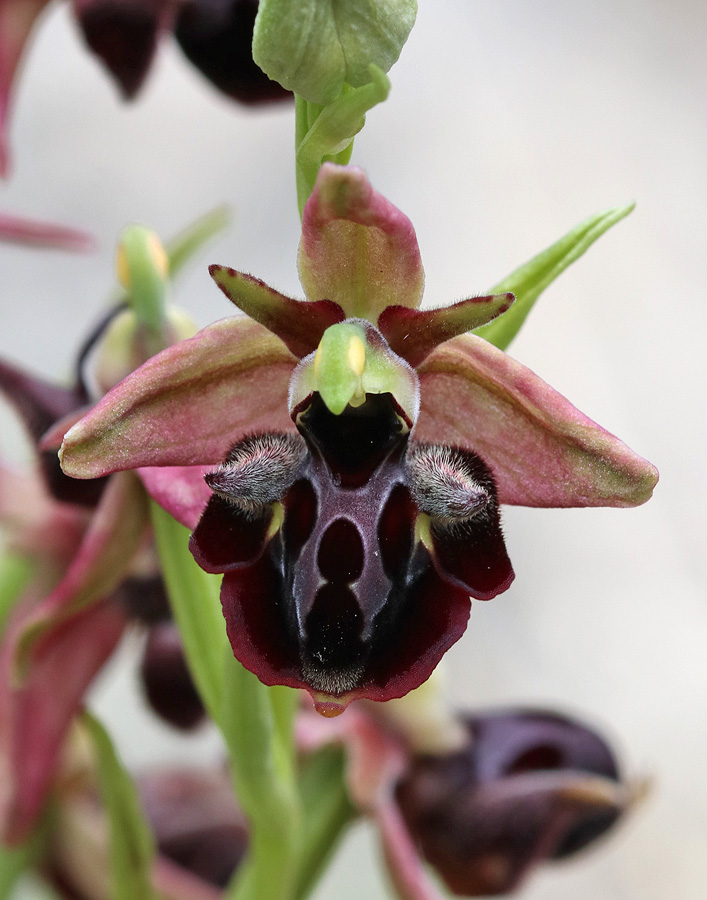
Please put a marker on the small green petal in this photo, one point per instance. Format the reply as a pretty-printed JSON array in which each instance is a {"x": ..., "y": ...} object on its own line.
[
  {"x": 314, "y": 47},
  {"x": 531, "y": 279},
  {"x": 330, "y": 136}
]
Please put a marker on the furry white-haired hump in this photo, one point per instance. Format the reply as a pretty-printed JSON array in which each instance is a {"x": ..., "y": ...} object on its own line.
[
  {"x": 259, "y": 469},
  {"x": 449, "y": 484}
]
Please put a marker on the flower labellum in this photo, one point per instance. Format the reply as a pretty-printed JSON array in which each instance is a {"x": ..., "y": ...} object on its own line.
[{"x": 369, "y": 546}]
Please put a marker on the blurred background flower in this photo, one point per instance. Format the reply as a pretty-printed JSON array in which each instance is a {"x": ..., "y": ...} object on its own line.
[{"x": 506, "y": 125}]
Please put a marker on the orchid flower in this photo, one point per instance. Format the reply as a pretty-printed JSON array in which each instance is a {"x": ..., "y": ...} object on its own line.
[
  {"x": 484, "y": 799},
  {"x": 81, "y": 545},
  {"x": 362, "y": 448},
  {"x": 124, "y": 35},
  {"x": 92, "y": 569}
]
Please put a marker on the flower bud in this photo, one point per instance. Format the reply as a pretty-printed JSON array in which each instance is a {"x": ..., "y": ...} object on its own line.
[
  {"x": 217, "y": 37},
  {"x": 196, "y": 821},
  {"x": 167, "y": 681},
  {"x": 528, "y": 787}
]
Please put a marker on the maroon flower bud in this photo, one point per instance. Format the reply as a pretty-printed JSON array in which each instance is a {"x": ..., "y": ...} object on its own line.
[
  {"x": 145, "y": 599},
  {"x": 40, "y": 404},
  {"x": 166, "y": 679},
  {"x": 124, "y": 34},
  {"x": 196, "y": 821},
  {"x": 217, "y": 37},
  {"x": 528, "y": 787}
]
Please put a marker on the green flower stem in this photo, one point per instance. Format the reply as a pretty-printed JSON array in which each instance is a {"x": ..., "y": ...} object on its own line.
[
  {"x": 194, "y": 598},
  {"x": 327, "y": 811},
  {"x": 131, "y": 844},
  {"x": 256, "y": 721},
  {"x": 326, "y": 133},
  {"x": 15, "y": 574},
  {"x": 258, "y": 732},
  {"x": 529, "y": 280},
  {"x": 302, "y": 126}
]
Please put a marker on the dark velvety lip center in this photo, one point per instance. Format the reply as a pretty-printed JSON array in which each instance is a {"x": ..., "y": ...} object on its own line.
[{"x": 354, "y": 443}]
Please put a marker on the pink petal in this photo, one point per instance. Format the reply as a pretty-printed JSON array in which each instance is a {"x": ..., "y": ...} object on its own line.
[
  {"x": 357, "y": 249},
  {"x": 541, "y": 449},
  {"x": 36, "y": 525},
  {"x": 403, "y": 862},
  {"x": 188, "y": 405},
  {"x": 113, "y": 538},
  {"x": 299, "y": 324},
  {"x": 414, "y": 333},
  {"x": 35, "y": 716},
  {"x": 17, "y": 18},
  {"x": 181, "y": 490},
  {"x": 16, "y": 230}
]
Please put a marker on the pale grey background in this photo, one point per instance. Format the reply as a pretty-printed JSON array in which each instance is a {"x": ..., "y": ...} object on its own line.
[{"x": 507, "y": 123}]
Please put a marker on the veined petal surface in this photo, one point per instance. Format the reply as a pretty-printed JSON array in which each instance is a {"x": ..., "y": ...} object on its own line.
[
  {"x": 357, "y": 249},
  {"x": 34, "y": 719},
  {"x": 188, "y": 405},
  {"x": 541, "y": 449}
]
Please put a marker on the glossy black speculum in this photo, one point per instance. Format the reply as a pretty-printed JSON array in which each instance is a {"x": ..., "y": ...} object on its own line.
[{"x": 329, "y": 582}]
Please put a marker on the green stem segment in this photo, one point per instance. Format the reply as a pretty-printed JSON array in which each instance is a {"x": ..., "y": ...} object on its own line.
[
  {"x": 326, "y": 133},
  {"x": 194, "y": 599},
  {"x": 256, "y": 721},
  {"x": 132, "y": 847},
  {"x": 258, "y": 732},
  {"x": 327, "y": 813}
]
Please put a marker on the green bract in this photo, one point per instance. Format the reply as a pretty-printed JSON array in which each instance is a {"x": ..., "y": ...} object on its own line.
[{"x": 314, "y": 47}]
